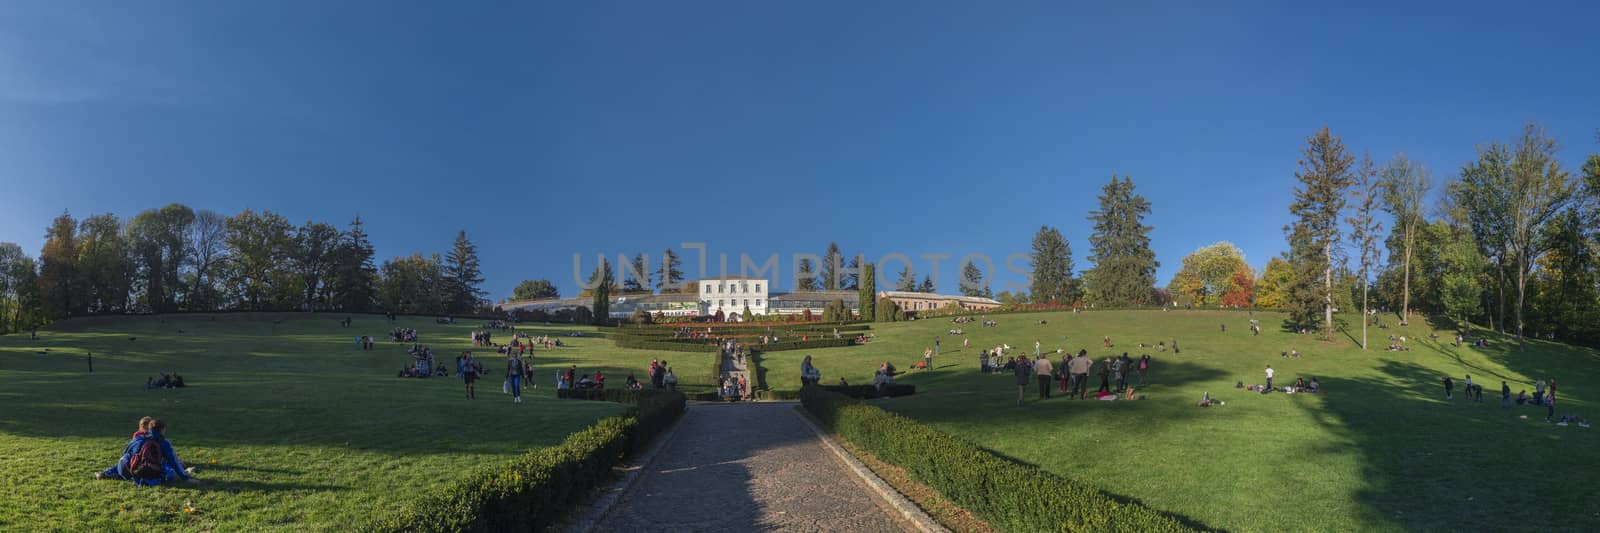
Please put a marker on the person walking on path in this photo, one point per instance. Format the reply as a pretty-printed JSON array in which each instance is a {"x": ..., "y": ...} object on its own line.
[
  {"x": 1144, "y": 368},
  {"x": 1270, "y": 372},
  {"x": 1449, "y": 388},
  {"x": 1024, "y": 373},
  {"x": 514, "y": 371},
  {"x": 1043, "y": 369},
  {"x": 1505, "y": 395},
  {"x": 469, "y": 374}
]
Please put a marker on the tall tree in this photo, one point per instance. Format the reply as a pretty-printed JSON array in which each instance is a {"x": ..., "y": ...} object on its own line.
[
  {"x": 972, "y": 282},
  {"x": 1124, "y": 265},
  {"x": 804, "y": 280},
  {"x": 26, "y": 308},
  {"x": 1052, "y": 268},
  {"x": 314, "y": 256},
  {"x": 1364, "y": 230},
  {"x": 414, "y": 285},
  {"x": 535, "y": 289},
  {"x": 668, "y": 276},
  {"x": 868, "y": 291},
  {"x": 1207, "y": 273},
  {"x": 156, "y": 242},
  {"x": 206, "y": 241},
  {"x": 1324, "y": 174},
  {"x": 10, "y": 283},
  {"x": 603, "y": 281},
  {"x": 1241, "y": 288},
  {"x": 927, "y": 285},
  {"x": 638, "y": 275},
  {"x": 103, "y": 264},
  {"x": 1405, "y": 185},
  {"x": 907, "y": 281},
  {"x": 850, "y": 278},
  {"x": 463, "y": 275},
  {"x": 832, "y": 268},
  {"x": 355, "y": 283},
  {"x": 59, "y": 284},
  {"x": 258, "y": 251}
]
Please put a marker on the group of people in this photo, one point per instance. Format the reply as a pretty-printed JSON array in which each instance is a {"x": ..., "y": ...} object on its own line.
[
  {"x": 166, "y": 381},
  {"x": 571, "y": 380},
  {"x": 148, "y": 459},
  {"x": 661, "y": 376},
  {"x": 1544, "y": 395},
  {"x": 733, "y": 388},
  {"x": 403, "y": 335},
  {"x": 1072, "y": 375}
]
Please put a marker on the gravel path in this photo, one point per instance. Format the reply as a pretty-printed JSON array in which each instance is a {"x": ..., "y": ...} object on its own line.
[{"x": 747, "y": 467}]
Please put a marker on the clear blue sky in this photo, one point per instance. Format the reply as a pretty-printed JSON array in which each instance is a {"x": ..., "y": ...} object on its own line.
[{"x": 548, "y": 129}]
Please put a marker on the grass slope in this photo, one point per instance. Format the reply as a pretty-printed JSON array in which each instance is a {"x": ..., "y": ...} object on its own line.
[
  {"x": 290, "y": 425},
  {"x": 1382, "y": 450}
]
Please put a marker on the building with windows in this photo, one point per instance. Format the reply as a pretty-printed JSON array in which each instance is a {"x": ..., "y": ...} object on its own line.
[
  {"x": 797, "y": 303},
  {"x": 912, "y": 302},
  {"x": 732, "y": 294}
]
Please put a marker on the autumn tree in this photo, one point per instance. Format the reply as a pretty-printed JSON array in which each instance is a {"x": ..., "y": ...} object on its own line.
[{"x": 1207, "y": 273}]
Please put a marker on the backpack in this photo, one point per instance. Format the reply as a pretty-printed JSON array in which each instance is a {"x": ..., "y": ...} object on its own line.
[{"x": 147, "y": 461}]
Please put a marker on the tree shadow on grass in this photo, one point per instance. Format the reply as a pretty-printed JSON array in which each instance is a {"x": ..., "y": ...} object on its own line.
[{"x": 1434, "y": 464}]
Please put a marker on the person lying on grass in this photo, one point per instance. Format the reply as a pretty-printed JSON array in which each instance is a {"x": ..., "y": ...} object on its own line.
[{"x": 148, "y": 459}]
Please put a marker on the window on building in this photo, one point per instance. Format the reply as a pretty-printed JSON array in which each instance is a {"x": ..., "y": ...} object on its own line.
[
  {"x": 747, "y": 301},
  {"x": 758, "y": 287}
]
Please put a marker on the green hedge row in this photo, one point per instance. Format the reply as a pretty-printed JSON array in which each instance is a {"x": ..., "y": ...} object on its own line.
[
  {"x": 802, "y": 345},
  {"x": 532, "y": 492},
  {"x": 628, "y": 341},
  {"x": 1009, "y": 495}
]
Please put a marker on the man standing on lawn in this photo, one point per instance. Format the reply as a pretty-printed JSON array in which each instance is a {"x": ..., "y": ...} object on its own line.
[
  {"x": 1080, "y": 367},
  {"x": 1269, "y": 377},
  {"x": 1022, "y": 370},
  {"x": 1041, "y": 366}
]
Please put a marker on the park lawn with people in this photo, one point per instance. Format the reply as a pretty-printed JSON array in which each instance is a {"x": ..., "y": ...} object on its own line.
[
  {"x": 288, "y": 423},
  {"x": 1380, "y": 449}
]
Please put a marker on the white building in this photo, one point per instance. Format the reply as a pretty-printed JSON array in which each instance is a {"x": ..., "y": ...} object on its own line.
[{"x": 731, "y": 294}]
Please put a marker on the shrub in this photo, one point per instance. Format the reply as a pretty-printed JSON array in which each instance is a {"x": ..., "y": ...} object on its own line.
[
  {"x": 532, "y": 491},
  {"x": 1011, "y": 496}
]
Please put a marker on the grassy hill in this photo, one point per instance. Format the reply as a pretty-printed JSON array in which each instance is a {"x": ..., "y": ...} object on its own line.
[
  {"x": 1381, "y": 450},
  {"x": 289, "y": 423}
]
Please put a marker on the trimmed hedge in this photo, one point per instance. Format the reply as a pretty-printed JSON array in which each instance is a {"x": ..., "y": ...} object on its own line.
[
  {"x": 802, "y": 345},
  {"x": 531, "y": 492},
  {"x": 1011, "y": 496},
  {"x": 644, "y": 343}
]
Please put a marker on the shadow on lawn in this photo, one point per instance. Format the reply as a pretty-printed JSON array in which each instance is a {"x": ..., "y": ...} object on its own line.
[{"x": 1429, "y": 463}]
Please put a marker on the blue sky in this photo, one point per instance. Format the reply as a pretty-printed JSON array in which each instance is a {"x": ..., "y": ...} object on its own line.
[{"x": 548, "y": 129}]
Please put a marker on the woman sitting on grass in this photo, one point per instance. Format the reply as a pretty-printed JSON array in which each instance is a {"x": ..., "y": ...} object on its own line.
[{"x": 148, "y": 459}]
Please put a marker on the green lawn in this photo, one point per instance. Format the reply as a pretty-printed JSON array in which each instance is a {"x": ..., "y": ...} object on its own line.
[
  {"x": 290, "y": 425},
  {"x": 1382, "y": 450}
]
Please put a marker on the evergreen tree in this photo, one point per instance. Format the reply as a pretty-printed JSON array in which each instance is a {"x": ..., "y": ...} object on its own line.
[
  {"x": 868, "y": 291},
  {"x": 885, "y": 311},
  {"x": 638, "y": 275},
  {"x": 972, "y": 282},
  {"x": 1124, "y": 265},
  {"x": 832, "y": 268},
  {"x": 1364, "y": 231},
  {"x": 355, "y": 281},
  {"x": 927, "y": 285},
  {"x": 1052, "y": 268},
  {"x": 805, "y": 280},
  {"x": 463, "y": 275},
  {"x": 748, "y": 316},
  {"x": 603, "y": 281},
  {"x": 908, "y": 280},
  {"x": 668, "y": 276},
  {"x": 851, "y": 278},
  {"x": 1324, "y": 175}
]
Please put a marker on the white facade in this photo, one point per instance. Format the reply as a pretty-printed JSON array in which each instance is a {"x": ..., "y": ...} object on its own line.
[{"x": 731, "y": 294}]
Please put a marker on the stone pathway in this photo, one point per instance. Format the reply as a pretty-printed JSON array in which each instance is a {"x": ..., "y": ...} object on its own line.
[{"x": 747, "y": 467}]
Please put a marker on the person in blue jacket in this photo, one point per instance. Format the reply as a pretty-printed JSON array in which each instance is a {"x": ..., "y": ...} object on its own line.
[{"x": 149, "y": 428}]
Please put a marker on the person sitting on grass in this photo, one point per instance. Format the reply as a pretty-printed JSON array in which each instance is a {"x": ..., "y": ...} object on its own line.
[
  {"x": 1522, "y": 397},
  {"x": 148, "y": 459},
  {"x": 671, "y": 380},
  {"x": 1314, "y": 386},
  {"x": 633, "y": 384}
]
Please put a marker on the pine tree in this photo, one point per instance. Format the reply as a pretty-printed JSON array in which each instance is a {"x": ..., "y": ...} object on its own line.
[
  {"x": 637, "y": 276},
  {"x": 463, "y": 275},
  {"x": 804, "y": 279},
  {"x": 851, "y": 280},
  {"x": 927, "y": 285},
  {"x": 868, "y": 290},
  {"x": 972, "y": 282},
  {"x": 1364, "y": 231},
  {"x": 355, "y": 276},
  {"x": 668, "y": 276},
  {"x": 832, "y": 267},
  {"x": 1324, "y": 175},
  {"x": 1124, "y": 265},
  {"x": 1052, "y": 268},
  {"x": 908, "y": 280},
  {"x": 603, "y": 281}
]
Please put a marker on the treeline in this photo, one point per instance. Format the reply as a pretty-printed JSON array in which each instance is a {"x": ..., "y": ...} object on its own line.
[{"x": 177, "y": 259}]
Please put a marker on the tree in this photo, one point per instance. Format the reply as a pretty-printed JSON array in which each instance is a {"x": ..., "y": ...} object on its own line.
[
  {"x": 11, "y": 280},
  {"x": 1207, "y": 273},
  {"x": 832, "y": 267},
  {"x": 1319, "y": 198},
  {"x": 414, "y": 285},
  {"x": 1124, "y": 265},
  {"x": 748, "y": 316},
  {"x": 851, "y": 276},
  {"x": 535, "y": 289},
  {"x": 355, "y": 282},
  {"x": 1405, "y": 184},
  {"x": 463, "y": 275},
  {"x": 637, "y": 275},
  {"x": 208, "y": 249},
  {"x": 1481, "y": 199},
  {"x": 908, "y": 280},
  {"x": 157, "y": 247},
  {"x": 1364, "y": 230},
  {"x": 314, "y": 256},
  {"x": 1052, "y": 268},
  {"x": 1460, "y": 288},
  {"x": 886, "y": 311},
  {"x": 23, "y": 273},
  {"x": 972, "y": 282},
  {"x": 258, "y": 247},
  {"x": 927, "y": 285},
  {"x": 804, "y": 280},
  {"x": 868, "y": 290},
  {"x": 1012, "y": 299},
  {"x": 1541, "y": 190},
  {"x": 103, "y": 264},
  {"x": 668, "y": 276},
  {"x": 603, "y": 282},
  {"x": 1241, "y": 289},
  {"x": 58, "y": 280}
]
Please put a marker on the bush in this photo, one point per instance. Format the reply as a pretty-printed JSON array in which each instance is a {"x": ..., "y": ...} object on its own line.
[
  {"x": 1011, "y": 496},
  {"x": 869, "y": 391},
  {"x": 532, "y": 491}
]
